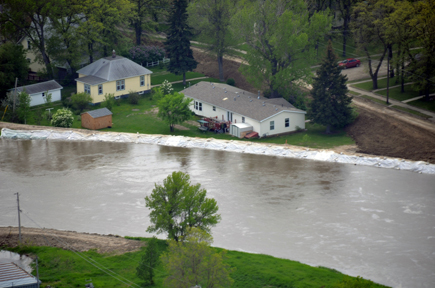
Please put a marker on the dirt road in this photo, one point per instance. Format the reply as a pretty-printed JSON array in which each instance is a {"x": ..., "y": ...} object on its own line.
[{"x": 69, "y": 240}]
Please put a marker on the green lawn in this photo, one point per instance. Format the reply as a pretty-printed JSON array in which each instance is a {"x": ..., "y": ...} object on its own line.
[
  {"x": 423, "y": 104},
  {"x": 382, "y": 83},
  {"x": 397, "y": 95},
  {"x": 374, "y": 99},
  {"x": 411, "y": 111},
  {"x": 159, "y": 77},
  {"x": 62, "y": 268}
]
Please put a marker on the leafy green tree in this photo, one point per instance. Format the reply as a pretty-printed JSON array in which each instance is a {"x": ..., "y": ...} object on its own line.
[
  {"x": 23, "y": 107},
  {"x": 109, "y": 100},
  {"x": 63, "y": 118},
  {"x": 423, "y": 30},
  {"x": 13, "y": 64},
  {"x": 149, "y": 262},
  {"x": 330, "y": 105},
  {"x": 369, "y": 30},
  {"x": 281, "y": 40},
  {"x": 177, "y": 205},
  {"x": 174, "y": 109},
  {"x": 211, "y": 19},
  {"x": 80, "y": 101},
  {"x": 177, "y": 44},
  {"x": 345, "y": 7},
  {"x": 30, "y": 18},
  {"x": 193, "y": 262}
]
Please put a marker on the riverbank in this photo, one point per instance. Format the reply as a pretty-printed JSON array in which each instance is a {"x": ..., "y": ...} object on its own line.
[
  {"x": 68, "y": 268},
  {"x": 281, "y": 150}
]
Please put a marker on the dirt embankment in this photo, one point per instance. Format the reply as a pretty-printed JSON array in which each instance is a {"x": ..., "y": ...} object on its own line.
[{"x": 69, "y": 240}]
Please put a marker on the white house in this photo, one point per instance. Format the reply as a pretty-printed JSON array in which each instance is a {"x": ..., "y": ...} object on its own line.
[
  {"x": 266, "y": 116},
  {"x": 38, "y": 92}
]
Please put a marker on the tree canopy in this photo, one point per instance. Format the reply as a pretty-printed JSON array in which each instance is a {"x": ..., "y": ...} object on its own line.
[
  {"x": 281, "y": 40},
  {"x": 177, "y": 44},
  {"x": 173, "y": 108},
  {"x": 330, "y": 105},
  {"x": 177, "y": 205},
  {"x": 192, "y": 262},
  {"x": 13, "y": 64}
]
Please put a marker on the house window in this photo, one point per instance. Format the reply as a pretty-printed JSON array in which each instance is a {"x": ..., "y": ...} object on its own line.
[
  {"x": 120, "y": 85},
  {"x": 142, "y": 80},
  {"x": 43, "y": 94},
  {"x": 100, "y": 89},
  {"x": 272, "y": 125},
  {"x": 87, "y": 89},
  {"x": 200, "y": 106},
  {"x": 214, "y": 108},
  {"x": 29, "y": 46},
  {"x": 243, "y": 119},
  {"x": 196, "y": 105},
  {"x": 287, "y": 122}
]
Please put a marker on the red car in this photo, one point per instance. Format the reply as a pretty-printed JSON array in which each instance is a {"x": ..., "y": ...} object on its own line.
[{"x": 349, "y": 63}]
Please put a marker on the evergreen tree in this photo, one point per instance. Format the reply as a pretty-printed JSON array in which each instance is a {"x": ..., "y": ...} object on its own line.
[
  {"x": 149, "y": 262},
  {"x": 330, "y": 105},
  {"x": 177, "y": 44}
]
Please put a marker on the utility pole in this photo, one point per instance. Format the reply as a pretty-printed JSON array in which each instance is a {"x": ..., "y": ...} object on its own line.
[
  {"x": 19, "y": 220},
  {"x": 37, "y": 271},
  {"x": 15, "y": 93}
]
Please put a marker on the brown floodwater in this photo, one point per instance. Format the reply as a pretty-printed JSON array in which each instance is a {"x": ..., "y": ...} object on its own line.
[{"x": 373, "y": 222}]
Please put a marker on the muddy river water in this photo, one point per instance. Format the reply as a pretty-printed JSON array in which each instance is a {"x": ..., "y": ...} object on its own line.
[{"x": 373, "y": 222}]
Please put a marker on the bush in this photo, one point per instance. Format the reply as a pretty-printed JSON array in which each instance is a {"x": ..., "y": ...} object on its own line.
[
  {"x": 63, "y": 118},
  {"x": 230, "y": 81},
  {"x": 143, "y": 54},
  {"x": 109, "y": 100},
  {"x": 133, "y": 98},
  {"x": 80, "y": 101}
]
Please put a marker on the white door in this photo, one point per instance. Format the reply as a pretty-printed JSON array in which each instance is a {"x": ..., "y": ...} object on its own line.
[{"x": 229, "y": 116}]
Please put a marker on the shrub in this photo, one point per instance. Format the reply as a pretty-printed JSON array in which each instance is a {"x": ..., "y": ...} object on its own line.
[
  {"x": 166, "y": 87},
  {"x": 230, "y": 81},
  {"x": 80, "y": 101},
  {"x": 133, "y": 98},
  {"x": 109, "y": 100},
  {"x": 143, "y": 54},
  {"x": 63, "y": 118}
]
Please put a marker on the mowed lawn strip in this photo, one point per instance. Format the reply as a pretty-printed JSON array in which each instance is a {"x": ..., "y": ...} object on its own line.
[{"x": 63, "y": 268}]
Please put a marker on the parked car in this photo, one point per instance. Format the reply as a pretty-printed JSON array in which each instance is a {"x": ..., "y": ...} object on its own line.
[{"x": 349, "y": 63}]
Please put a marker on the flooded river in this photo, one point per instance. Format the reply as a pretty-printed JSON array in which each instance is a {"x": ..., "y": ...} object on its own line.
[{"x": 373, "y": 222}]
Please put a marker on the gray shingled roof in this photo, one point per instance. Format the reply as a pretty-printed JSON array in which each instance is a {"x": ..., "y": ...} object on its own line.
[
  {"x": 39, "y": 87},
  {"x": 243, "y": 102},
  {"x": 92, "y": 80},
  {"x": 111, "y": 69},
  {"x": 12, "y": 275},
  {"x": 99, "y": 113}
]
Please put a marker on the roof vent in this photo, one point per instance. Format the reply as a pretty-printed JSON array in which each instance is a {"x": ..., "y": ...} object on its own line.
[
  {"x": 113, "y": 54},
  {"x": 276, "y": 109},
  {"x": 264, "y": 104},
  {"x": 225, "y": 91},
  {"x": 213, "y": 87},
  {"x": 258, "y": 97},
  {"x": 250, "y": 100}
]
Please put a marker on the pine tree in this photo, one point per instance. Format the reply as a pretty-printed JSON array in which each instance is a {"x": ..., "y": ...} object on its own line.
[
  {"x": 330, "y": 105},
  {"x": 177, "y": 44},
  {"x": 149, "y": 262}
]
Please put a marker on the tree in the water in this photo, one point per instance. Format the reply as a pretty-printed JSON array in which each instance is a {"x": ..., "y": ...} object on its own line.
[
  {"x": 177, "y": 44},
  {"x": 330, "y": 105}
]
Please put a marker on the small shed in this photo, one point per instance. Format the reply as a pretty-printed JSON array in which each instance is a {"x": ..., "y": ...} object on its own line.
[
  {"x": 38, "y": 92},
  {"x": 97, "y": 119},
  {"x": 240, "y": 129},
  {"x": 12, "y": 275}
]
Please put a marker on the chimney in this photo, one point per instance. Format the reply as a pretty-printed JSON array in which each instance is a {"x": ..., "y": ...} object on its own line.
[{"x": 113, "y": 54}]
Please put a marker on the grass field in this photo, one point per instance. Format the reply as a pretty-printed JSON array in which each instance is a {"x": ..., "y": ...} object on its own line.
[
  {"x": 62, "y": 268},
  {"x": 423, "y": 104},
  {"x": 397, "y": 95},
  {"x": 382, "y": 84}
]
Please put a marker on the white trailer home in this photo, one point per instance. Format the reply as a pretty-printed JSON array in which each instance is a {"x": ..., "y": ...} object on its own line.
[
  {"x": 224, "y": 102},
  {"x": 38, "y": 92}
]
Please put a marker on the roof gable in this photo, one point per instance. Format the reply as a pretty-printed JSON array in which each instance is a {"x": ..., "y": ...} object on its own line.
[
  {"x": 113, "y": 68},
  {"x": 239, "y": 101}
]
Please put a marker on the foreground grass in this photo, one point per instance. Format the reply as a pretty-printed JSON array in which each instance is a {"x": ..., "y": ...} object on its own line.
[{"x": 62, "y": 268}]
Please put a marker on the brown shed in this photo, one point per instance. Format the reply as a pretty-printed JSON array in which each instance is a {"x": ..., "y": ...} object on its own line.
[{"x": 97, "y": 119}]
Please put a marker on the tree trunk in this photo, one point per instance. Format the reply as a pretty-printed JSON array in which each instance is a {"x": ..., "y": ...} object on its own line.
[
  {"x": 91, "y": 52},
  {"x": 171, "y": 128},
  {"x": 221, "y": 68},
  {"x": 328, "y": 129},
  {"x": 138, "y": 30}
]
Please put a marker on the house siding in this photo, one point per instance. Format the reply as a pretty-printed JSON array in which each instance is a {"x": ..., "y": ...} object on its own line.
[
  {"x": 34, "y": 65},
  {"x": 296, "y": 120},
  {"x": 131, "y": 84},
  {"x": 36, "y": 99}
]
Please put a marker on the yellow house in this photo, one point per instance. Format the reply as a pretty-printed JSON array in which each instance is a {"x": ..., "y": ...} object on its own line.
[
  {"x": 34, "y": 64},
  {"x": 116, "y": 75}
]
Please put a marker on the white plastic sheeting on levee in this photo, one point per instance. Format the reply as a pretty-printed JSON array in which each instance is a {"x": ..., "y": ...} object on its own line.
[{"x": 224, "y": 145}]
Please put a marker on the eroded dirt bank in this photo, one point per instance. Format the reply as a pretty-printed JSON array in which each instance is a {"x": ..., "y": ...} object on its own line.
[{"x": 69, "y": 240}]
